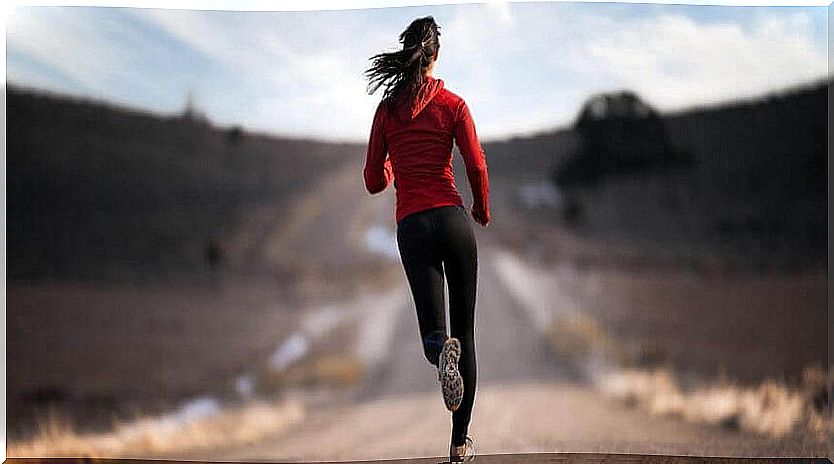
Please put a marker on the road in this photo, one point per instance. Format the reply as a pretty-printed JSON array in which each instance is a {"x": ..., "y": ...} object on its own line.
[
  {"x": 528, "y": 400},
  {"x": 508, "y": 347}
]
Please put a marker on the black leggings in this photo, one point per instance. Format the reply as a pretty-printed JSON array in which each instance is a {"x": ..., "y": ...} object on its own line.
[{"x": 432, "y": 243}]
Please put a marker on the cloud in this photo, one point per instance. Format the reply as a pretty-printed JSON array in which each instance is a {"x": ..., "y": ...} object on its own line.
[
  {"x": 65, "y": 41},
  {"x": 301, "y": 72},
  {"x": 100, "y": 52},
  {"x": 675, "y": 62},
  {"x": 522, "y": 67},
  {"x": 535, "y": 71},
  {"x": 502, "y": 12}
]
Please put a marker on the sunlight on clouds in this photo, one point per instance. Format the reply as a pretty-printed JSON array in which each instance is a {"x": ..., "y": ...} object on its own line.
[
  {"x": 558, "y": 55},
  {"x": 472, "y": 43},
  {"x": 522, "y": 67},
  {"x": 675, "y": 62},
  {"x": 501, "y": 10},
  {"x": 67, "y": 48},
  {"x": 305, "y": 88}
]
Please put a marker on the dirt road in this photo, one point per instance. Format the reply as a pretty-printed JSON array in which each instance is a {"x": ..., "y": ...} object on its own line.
[
  {"x": 528, "y": 399},
  {"x": 527, "y": 402}
]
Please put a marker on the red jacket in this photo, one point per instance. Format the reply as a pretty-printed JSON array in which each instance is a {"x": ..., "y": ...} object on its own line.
[{"x": 413, "y": 147}]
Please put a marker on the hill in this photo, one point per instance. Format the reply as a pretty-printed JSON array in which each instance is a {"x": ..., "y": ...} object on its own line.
[
  {"x": 754, "y": 195},
  {"x": 97, "y": 191}
]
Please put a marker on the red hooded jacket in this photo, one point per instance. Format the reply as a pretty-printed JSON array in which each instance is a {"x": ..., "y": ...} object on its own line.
[{"x": 412, "y": 146}]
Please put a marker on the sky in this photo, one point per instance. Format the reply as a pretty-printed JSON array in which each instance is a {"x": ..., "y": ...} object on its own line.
[{"x": 521, "y": 67}]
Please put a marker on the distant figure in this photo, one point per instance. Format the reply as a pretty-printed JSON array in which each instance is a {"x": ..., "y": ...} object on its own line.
[
  {"x": 411, "y": 140},
  {"x": 213, "y": 254},
  {"x": 191, "y": 114},
  {"x": 234, "y": 135}
]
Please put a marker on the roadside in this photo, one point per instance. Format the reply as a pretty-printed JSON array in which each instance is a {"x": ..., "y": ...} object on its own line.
[
  {"x": 655, "y": 339},
  {"x": 531, "y": 397},
  {"x": 332, "y": 367}
]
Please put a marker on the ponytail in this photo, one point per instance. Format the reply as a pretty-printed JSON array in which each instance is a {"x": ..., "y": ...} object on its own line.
[{"x": 401, "y": 71}]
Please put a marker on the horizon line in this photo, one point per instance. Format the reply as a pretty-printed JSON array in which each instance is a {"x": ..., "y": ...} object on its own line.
[{"x": 827, "y": 80}]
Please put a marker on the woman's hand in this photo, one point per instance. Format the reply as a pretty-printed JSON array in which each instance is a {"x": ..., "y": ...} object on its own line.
[{"x": 481, "y": 217}]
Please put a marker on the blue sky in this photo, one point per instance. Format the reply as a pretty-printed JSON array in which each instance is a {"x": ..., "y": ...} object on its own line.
[{"x": 521, "y": 67}]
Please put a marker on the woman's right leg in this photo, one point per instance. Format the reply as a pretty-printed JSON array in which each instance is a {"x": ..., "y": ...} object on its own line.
[{"x": 424, "y": 270}]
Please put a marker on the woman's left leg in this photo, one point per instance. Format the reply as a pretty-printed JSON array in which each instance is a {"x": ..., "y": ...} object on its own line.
[{"x": 424, "y": 270}]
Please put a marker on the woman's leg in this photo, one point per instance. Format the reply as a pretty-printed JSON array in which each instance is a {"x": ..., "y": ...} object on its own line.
[
  {"x": 461, "y": 264},
  {"x": 424, "y": 269}
]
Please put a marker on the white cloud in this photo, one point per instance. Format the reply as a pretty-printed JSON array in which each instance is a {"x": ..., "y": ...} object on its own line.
[
  {"x": 549, "y": 58},
  {"x": 308, "y": 67},
  {"x": 502, "y": 12},
  {"x": 522, "y": 67},
  {"x": 69, "y": 43},
  {"x": 676, "y": 62}
]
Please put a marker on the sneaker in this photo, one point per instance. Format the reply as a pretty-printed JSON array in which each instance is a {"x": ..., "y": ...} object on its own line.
[
  {"x": 464, "y": 452},
  {"x": 451, "y": 382}
]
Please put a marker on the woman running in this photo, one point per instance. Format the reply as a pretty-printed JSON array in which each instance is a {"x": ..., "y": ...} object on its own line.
[{"x": 413, "y": 130}]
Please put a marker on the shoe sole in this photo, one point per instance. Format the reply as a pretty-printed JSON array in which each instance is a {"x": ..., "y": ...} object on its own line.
[
  {"x": 451, "y": 381},
  {"x": 465, "y": 457}
]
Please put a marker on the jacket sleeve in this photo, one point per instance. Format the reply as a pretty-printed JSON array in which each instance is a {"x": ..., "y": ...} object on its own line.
[
  {"x": 473, "y": 157},
  {"x": 378, "y": 171}
]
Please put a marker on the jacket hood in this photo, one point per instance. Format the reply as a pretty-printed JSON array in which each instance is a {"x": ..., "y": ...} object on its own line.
[{"x": 407, "y": 111}]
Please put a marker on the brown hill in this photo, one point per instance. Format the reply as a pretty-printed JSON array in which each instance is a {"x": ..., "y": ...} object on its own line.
[
  {"x": 755, "y": 191},
  {"x": 96, "y": 191}
]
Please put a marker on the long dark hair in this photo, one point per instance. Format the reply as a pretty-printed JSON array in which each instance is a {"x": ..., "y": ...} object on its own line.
[{"x": 402, "y": 70}]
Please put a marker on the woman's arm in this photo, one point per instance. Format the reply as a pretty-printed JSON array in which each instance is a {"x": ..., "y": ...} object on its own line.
[
  {"x": 475, "y": 160},
  {"x": 378, "y": 170}
]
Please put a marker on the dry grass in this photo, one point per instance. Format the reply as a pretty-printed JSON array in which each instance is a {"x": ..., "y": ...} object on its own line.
[
  {"x": 577, "y": 336},
  {"x": 635, "y": 373},
  {"x": 770, "y": 408},
  {"x": 164, "y": 436},
  {"x": 332, "y": 370}
]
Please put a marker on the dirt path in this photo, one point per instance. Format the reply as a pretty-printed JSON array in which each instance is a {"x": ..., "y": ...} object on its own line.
[
  {"x": 509, "y": 418},
  {"x": 528, "y": 401}
]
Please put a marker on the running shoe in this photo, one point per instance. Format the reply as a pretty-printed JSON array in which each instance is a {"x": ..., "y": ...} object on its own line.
[
  {"x": 451, "y": 382},
  {"x": 464, "y": 452}
]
